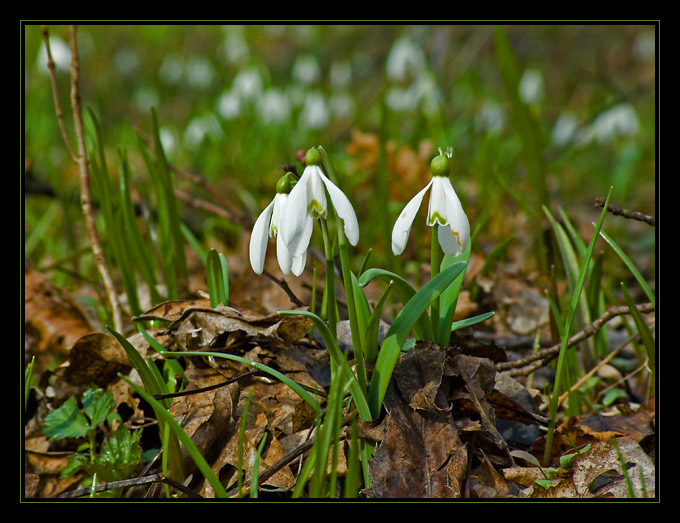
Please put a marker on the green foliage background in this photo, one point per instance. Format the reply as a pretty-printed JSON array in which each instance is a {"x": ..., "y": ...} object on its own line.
[{"x": 233, "y": 104}]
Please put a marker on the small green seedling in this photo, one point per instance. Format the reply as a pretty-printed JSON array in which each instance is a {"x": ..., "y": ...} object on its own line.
[{"x": 118, "y": 454}]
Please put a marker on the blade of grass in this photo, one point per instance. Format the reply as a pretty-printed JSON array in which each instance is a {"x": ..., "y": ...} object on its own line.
[
  {"x": 339, "y": 359},
  {"x": 467, "y": 322},
  {"x": 527, "y": 129},
  {"x": 217, "y": 272},
  {"x": 264, "y": 368},
  {"x": 402, "y": 325},
  {"x": 576, "y": 294},
  {"x": 645, "y": 335},
  {"x": 449, "y": 297},
  {"x": 140, "y": 253},
  {"x": 241, "y": 439},
  {"x": 155, "y": 386},
  {"x": 162, "y": 414},
  {"x": 372, "y": 329},
  {"x": 256, "y": 466},
  {"x": 631, "y": 266},
  {"x": 404, "y": 291}
]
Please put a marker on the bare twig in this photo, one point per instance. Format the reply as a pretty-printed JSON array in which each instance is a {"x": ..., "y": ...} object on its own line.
[
  {"x": 55, "y": 93},
  {"x": 133, "y": 482},
  {"x": 633, "y": 215},
  {"x": 286, "y": 288},
  {"x": 85, "y": 200},
  {"x": 81, "y": 160},
  {"x": 529, "y": 364}
]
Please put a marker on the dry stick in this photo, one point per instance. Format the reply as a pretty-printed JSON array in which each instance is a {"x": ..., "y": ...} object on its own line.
[
  {"x": 81, "y": 160},
  {"x": 531, "y": 363},
  {"x": 597, "y": 367},
  {"x": 145, "y": 480},
  {"x": 285, "y": 287},
  {"x": 633, "y": 215}
]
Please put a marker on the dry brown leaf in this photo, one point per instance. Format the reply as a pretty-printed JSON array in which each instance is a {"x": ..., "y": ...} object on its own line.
[
  {"x": 96, "y": 358},
  {"x": 595, "y": 473},
  {"x": 420, "y": 455},
  {"x": 419, "y": 375},
  {"x": 205, "y": 416},
  {"x": 52, "y": 320},
  {"x": 478, "y": 375}
]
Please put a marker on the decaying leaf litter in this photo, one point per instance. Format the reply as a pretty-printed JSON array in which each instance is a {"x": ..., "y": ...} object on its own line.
[
  {"x": 454, "y": 426},
  {"x": 463, "y": 421}
]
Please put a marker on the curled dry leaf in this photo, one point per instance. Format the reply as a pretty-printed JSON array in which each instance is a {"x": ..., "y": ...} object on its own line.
[
  {"x": 594, "y": 473},
  {"x": 96, "y": 358},
  {"x": 196, "y": 325}
]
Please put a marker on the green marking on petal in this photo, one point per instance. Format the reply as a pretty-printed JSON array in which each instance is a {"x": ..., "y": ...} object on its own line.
[
  {"x": 314, "y": 208},
  {"x": 435, "y": 217}
]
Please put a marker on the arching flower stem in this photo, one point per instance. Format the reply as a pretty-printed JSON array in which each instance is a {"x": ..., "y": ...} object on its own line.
[
  {"x": 329, "y": 302},
  {"x": 357, "y": 339},
  {"x": 435, "y": 261}
]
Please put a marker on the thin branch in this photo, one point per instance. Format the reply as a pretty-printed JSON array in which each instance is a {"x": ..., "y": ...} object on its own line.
[
  {"x": 133, "y": 482},
  {"x": 633, "y": 215},
  {"x": 286, "y": 288},
  {"x": 55, "y": 94},
  {"x": 531, "y": 363},
  {"x": 85, "y": 199}
]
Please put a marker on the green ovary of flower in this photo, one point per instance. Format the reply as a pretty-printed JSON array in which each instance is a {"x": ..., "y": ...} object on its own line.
[
  {"x": 312, "y": 157},
  {"x": 440, "y": 166}
]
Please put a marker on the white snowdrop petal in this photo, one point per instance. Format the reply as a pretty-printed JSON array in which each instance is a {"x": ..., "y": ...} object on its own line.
[
  {"x": 283, "y": 255},
  {"x": 258, "y": 239},
  {"x": 294, "y": 217},
  {"x": 459, "y": 225},
  {"x": 344, "y": 209},
  {"x": 402, "y": 227},
  {"x": 299, "y": 264}
]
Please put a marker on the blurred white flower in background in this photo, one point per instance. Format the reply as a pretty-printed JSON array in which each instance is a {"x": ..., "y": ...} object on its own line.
[
  {"x": 229, "y": 105},
  {"x": 315, "y": 113},
  {"x": 234, "y": 48},
  {"x": 200, "y": 72},
  {"x": 306, "y": 69},
  {"x": 490, "y": 117},
  {"x": 404, "y": 60},
  {"x": 61, "y": 56},
  {"x": 171, "y": 69},
  {"x": 619, "y": 120},
  {"x": 200, "y": 128},
  {"x": 340, "y": 75},
  {"x": 274, "y": 107},
  {"x": 532, "y": 86},
  {"x": 564, "y": 129},
  {"x": 248, "y": 83}
]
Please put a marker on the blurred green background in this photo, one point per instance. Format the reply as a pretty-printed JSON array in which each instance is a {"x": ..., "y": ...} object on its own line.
[{"x": 537, "y": 115}]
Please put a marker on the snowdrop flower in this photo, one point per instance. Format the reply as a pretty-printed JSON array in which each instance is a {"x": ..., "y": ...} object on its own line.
[
  {"x": 268, "y": 225},
  {"x": 307, "y": 201},
  {"x": 444, "y": 210}
]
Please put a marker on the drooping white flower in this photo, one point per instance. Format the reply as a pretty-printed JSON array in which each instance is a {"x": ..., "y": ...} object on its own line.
[
  {"x": 268, "y": 225},
  {"x": 444, "y": 210},
  {"x": 307, "y": 200}
]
